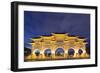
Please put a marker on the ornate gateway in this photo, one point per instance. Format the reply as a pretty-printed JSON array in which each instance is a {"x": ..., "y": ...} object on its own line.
[{"x": 58, "y": 46}]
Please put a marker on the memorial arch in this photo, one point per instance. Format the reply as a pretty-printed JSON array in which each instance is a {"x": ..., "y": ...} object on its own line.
[{"x": 58, "y": 46}]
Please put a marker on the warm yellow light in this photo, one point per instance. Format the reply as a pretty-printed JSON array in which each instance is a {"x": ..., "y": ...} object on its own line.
[{"x": 58, "y": 41}]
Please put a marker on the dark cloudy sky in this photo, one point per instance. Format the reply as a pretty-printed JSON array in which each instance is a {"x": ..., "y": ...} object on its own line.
[{"x": 44, "y": 23}]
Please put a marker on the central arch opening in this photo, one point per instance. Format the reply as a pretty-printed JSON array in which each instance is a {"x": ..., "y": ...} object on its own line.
[{"x": 59, "y": 52}]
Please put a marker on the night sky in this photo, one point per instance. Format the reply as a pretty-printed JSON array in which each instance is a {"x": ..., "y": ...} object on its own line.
[{"x": 45, "y": 23}]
